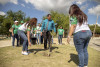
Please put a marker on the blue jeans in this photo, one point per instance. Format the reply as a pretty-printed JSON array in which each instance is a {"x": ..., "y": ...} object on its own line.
[
  {"x": 38, "y": 35},
  {"x": 13, "y": 41},
  {"x": 81, "y": 41},
  {"x": 25, "y": 42},
  {"x": 60, "y": 39}
]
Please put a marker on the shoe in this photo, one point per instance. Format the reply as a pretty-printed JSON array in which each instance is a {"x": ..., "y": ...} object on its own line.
[
  {"x": 25, "y": 53},
  {"x": 22, "y": 52},
  {"x": 85, "y": 66}
]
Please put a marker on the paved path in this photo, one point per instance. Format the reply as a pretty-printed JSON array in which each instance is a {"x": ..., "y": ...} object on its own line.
[{"x": 94, "y": 43}]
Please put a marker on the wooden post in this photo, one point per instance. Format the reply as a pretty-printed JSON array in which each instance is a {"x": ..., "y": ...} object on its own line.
[{"x": 95, "y": 26}]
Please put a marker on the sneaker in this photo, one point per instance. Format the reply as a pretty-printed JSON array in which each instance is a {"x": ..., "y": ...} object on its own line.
[
  {"x": 25, "y": 53},
  {"x": 85, "y": 66},
  {"x": 22, "y": 52}
]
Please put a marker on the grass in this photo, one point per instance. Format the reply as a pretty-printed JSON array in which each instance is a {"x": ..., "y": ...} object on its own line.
[{"x": 61, "y": 56}]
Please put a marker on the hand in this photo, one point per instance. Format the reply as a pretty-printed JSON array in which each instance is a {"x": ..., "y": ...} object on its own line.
[
  {"x": 12, "y": 34},
  {"x": 68, "y": 40},
  {"x": 41, "y": 33},
  {"x": 29, "y": 43},
  {"x": 63, "y": 36}
]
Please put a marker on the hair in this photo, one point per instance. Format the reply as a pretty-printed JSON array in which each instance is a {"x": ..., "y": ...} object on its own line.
[
  {"x": 31, "y": 22},
  {"x": 48, "y": 15},
  {"x": 60, "y": 27},
  {"x": 77, "y": 12}
]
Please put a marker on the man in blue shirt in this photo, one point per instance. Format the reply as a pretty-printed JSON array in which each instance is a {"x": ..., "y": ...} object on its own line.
[{"x": 47, "y": 26}]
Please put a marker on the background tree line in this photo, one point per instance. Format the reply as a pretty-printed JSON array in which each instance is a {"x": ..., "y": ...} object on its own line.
[
  {"x": 61, "y": 19},
  {"x": 7, "y": 20}
]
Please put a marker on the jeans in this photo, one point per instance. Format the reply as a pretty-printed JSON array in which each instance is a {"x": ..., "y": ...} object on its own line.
[
  {"x": 60, "y": 39},
  {"x": 13, "y": 37},
  {"x": 38, "y": 35},
  {"x": 81, "y": 41},
  {"x": 25, "y": 42},
  {"x": 47, "y": 37},
  {"x": 42, "y": 39}
]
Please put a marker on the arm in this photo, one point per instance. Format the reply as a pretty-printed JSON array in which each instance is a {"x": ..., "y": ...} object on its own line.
[
  {"x": 54, "y": 27},
  {"x": 28, "y": 36},
  {"x": 63, "y": 34},
  {"x": 42, "y": 27},
  {"x": 72, "y": 28},
  {"x": 12, "y": 32}
]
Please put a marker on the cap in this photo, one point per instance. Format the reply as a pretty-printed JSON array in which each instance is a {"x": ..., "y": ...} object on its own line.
[
  {"x": 15, "y": 21},
  {"x": 22, "y": 21}
]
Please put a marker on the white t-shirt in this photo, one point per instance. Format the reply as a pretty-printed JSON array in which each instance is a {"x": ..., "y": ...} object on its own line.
[
  {"x": 38, "y": 29},
  {"x": 23, "y": 27},
  {"x": 84, "y": 26}
]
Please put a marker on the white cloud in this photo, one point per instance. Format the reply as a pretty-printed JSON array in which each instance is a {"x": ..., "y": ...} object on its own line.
[
  {"x": 6, "y": 1},
  {"x": 83, "y": 7},
  {"x": 23, "y": 5},
  {"x": 98, "y": 1},
  {"x": 2, "y": 13},
  {"x": 94, "y": 10},
  {"x": 80, "y": 2},
  {"x": 61, "y": 6}
]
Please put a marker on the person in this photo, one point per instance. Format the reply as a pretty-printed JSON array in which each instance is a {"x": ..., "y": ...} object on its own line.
[
  {"x": 14, "y": 33},
  {"x": 60, "y": 35},
  {"x": 21, "y": 32},
  {"x": 48, "y": 25},
  {"x": 38, "y": 33},
  {"x": 41, "y": 38},
  {"x": 22, "y": 22},
  {"x": 20, "y": 39},
  {"x": 82, "y": 33}
]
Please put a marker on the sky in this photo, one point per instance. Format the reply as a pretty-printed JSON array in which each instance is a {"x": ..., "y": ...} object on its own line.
[{"x": 40, "y": 8}]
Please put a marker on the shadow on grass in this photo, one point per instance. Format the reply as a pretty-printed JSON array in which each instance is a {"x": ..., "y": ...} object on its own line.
[
  {"x": 74, "y": 58},
  {"x": 96, "y": 44},
  {"x": 37, "y": 50}
]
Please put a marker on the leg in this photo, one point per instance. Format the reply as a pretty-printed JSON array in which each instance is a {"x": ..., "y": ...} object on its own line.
[
  {"x": 45, "y": 39},
  {"x": 26, "y": 48},
  {"x": 17, "y": 37},
  {"x": 86, "y": 52},
  {"x": 25, "y": 42},
  {"x": 13, "y": 40},
  {"x": 79, "y": 45},
  {"x": 42, "y": 39},
  {"x": 49, "y": 40},
  {"x": 61, "y": 38},
  {"x": 39, "y": 38}
]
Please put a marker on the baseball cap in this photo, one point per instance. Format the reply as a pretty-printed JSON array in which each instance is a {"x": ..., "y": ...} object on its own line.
[
  {"x": 22, "y": 21},
  {"x": 15, "y": 21}
]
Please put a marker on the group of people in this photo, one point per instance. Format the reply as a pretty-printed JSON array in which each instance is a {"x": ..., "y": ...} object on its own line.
[{"x": 78, "y": 28}]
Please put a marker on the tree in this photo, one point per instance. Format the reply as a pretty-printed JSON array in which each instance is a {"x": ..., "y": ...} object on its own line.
[
  {"x": 97, "y": 30},
  {"x": 8, "y": 20}
]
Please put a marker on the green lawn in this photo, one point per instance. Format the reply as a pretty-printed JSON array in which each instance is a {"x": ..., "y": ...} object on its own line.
[{"x": 61, "y": 56}]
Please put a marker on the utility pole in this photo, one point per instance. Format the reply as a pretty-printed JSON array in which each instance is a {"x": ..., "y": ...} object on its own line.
[{"x": 95, "y": 26}]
